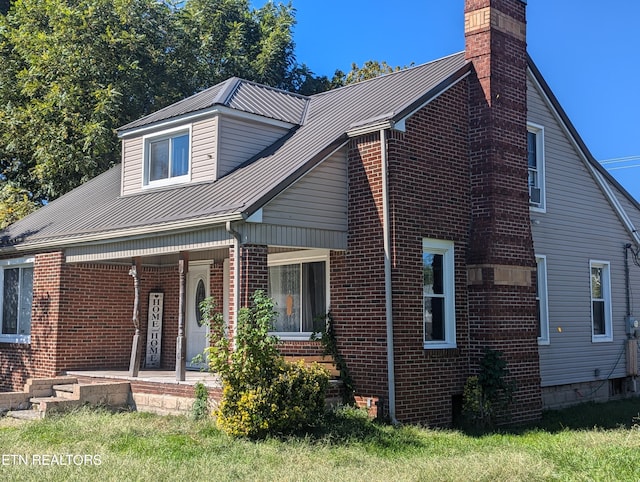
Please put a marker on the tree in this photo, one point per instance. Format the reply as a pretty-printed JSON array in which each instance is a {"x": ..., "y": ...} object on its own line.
[
  {"x": 70, "y": 73},
  {"x": 369, "y": 70}
]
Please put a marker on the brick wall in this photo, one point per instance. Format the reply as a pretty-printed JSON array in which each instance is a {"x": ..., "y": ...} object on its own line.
[
  {"x": 430, "y": 198},
  {"x": 357, "y": 275}
]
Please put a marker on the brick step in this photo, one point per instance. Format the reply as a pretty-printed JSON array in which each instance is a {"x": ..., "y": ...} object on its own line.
[
  {"x": 25, "y": 414},
  {"x": 67, "y": 391}
]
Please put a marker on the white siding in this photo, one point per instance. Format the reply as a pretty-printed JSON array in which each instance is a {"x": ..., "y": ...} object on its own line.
[
  {"x": 242, "y": 139},
  {"x": 579, "y": 225},
  {"x": 131, "y": 165},
  {"x": 318, "y": 200}
]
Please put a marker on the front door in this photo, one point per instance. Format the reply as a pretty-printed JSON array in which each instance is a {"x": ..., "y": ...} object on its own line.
[{"x": 196, "y": 330}]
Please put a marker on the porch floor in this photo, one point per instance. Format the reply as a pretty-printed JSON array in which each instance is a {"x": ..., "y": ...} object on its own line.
[{"x": 153, "y": 376}]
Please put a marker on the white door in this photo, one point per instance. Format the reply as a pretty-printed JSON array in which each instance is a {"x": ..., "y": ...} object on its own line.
[{"x": 196, "y": 330}]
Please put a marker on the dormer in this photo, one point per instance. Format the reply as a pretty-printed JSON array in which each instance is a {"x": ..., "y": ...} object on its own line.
[{"x": 206, "y": 136}]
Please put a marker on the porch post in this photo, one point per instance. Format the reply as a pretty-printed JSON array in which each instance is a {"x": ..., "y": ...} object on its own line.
[
  {"x": 181, "y": 341},
  {"x": 134, "y": 361}
]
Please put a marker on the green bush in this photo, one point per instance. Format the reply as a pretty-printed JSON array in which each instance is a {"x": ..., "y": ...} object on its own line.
[
  {"x": 262, "y": 394},
  {"x": 200, "y": 407},
  {"x": 487, "y": 397}
]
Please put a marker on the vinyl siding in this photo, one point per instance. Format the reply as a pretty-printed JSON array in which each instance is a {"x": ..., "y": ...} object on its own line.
[
  {"x": 318, "y": 200},
  {"x": 579, "y": 225},
  {"x": 241, "y": 139},
  {"x": 131, "y": 165},
  {"x": 203, "y": 149}
]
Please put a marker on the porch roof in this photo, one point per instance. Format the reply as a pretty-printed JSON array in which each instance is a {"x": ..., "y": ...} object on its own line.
[{"x": 96, "y": 211}]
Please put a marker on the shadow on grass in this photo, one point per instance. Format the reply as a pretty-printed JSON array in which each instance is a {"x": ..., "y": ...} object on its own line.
[
  {"x": 623, "y": 414},
  {"x": 347, "y": 426}
]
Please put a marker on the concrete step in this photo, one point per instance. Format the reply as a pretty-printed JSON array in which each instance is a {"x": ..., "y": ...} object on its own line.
[
  {"x": 48, "y": 405},
  {"x": 67, "y": 391},
  {"x": 25, "y": 414}
]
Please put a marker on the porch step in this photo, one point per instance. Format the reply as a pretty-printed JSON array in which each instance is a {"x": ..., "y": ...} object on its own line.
[
  {"x": 47, "y": 405},
  {"x": 65, "y": 391},
  {"x": 25, "y": 414}
]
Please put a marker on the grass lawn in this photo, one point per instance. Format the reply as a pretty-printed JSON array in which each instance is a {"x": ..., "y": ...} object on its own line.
[{"x": 591, "y": 442}]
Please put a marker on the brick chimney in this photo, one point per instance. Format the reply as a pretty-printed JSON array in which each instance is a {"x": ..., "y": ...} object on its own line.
[{"x": 501, "y": 260}]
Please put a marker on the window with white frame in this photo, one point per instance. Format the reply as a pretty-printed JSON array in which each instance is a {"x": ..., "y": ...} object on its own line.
[
  {"x": 438, "y": 296},
  {"x": 541, "y": 300},
  {"x": 167, "y": 157},
  {"x": 16, "y": 279},
  {"x": 298, "y": 285},
  {"x": 601, "y": 301},
  {"x": 535, "y": 154}
]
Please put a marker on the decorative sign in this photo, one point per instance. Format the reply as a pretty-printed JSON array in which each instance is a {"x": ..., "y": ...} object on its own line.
[{"x": 154, "y": 330}]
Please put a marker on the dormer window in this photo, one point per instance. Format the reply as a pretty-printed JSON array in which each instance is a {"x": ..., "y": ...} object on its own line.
[{"x": 167, "y": 157}]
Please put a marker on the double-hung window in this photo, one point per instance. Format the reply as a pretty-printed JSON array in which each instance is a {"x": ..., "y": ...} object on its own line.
[
  {"x": 541, "y": 300},
  {"x": 535, "y": 154},
  {"x": 167, "y": 157},
  {"x": 298, "y": 285},
  {"x": 438, "y": 297},
  {"x": 16, "y": 279},
  {"x": 601, "y": 301}
]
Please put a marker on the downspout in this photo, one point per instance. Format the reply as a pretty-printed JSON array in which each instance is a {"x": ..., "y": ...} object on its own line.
[
  {"x": 386, "y": 232},
  {"x": 236, "y": 278}
]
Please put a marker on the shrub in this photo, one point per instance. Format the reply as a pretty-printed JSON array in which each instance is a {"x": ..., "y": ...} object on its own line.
[
  {"x": 200, "y": 407},
  {"x": 488, "y": 395},
  {"x": 262, "y": 394}
]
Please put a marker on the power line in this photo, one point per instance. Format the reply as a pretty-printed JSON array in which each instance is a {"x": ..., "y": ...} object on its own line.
[{"x": 617, "y": 160}]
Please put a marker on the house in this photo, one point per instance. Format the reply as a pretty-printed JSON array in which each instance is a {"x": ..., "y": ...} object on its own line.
[{"x": 434, "y": 211}]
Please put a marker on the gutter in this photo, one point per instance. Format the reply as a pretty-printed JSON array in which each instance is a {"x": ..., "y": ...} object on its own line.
[
  {"x": 236, "y": 278},
  {"x": 118, "y": 235},
  {"x": 386, "y": 229}
]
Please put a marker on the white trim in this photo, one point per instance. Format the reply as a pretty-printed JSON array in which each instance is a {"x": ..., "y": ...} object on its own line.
[
  {"x": 165, "y": 134},
  {"x": 26, "y": 262},
  {"x": 538, "y": 130},
  {"x": 299, "y": 257},
  {"x": 446, "y": 249},
  {"x": 606, "y": 293},
  {"x": 543, "y": 294}
]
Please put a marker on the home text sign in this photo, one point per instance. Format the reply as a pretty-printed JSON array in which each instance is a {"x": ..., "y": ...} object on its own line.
[{"x": 154, "y": 330}]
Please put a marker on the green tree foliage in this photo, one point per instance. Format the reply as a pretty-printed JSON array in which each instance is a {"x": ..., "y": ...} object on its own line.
[
  {"x": 369, "y": 70},
  {"x": 15, "y": 203}
]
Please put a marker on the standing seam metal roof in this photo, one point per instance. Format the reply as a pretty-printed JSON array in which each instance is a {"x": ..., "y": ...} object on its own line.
[{"x": 97, "y": 207}]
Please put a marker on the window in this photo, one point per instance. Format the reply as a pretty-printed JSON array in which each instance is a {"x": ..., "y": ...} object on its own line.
[
  {"x": 16, "y": 278},
  {"x": 535, "y": 151},
  {"x": 166, "y": 158},
  {"x": 541, "y": 300},
  {"x": 601, "y": 301},
  {"x": 298, "y": 287},
  {"x": 438, "y": 298}
]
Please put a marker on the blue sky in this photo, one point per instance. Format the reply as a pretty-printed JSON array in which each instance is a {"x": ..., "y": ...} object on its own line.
[{"x": 587, "y": 50}]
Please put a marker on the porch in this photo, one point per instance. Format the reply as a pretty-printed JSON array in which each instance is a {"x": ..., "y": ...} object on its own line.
[{"x": 155, "y": 391}]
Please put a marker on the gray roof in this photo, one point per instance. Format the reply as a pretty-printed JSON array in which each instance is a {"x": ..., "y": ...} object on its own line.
[
  {"x": 96, "y": 208},
  {"x": 236, "y": 94}
]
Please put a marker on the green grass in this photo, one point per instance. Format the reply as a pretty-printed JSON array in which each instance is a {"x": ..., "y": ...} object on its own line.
[{"x": 590, "y": 442}]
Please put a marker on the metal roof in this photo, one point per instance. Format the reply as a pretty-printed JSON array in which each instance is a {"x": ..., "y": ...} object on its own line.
[
  {"x": 96, "y": 209},
  {"x": 237, "y": 94}
]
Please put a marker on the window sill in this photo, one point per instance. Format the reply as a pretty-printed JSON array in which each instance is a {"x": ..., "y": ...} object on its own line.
[
  {"x": 543, "y": 342},
  {"x": 601, "y": 339},
  {"x": 21, "y": 339},
  {"x": 440, "y": 346},
  {"x": 284, "y": 336}
]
